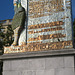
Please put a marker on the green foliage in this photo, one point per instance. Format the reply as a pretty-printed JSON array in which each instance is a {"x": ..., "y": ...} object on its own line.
[
  {"x": 1, "y": 34},
  {"x": 1, "y": 66},
  {"x": 74, "y": 29},
  {"x": 5, "y": 36},
  {"x": 7, "y": 40},
  {"x": 74, "y": 22}
]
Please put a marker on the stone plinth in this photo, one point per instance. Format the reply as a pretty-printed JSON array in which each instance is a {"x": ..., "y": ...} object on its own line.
[{"x": 51, "y": 62}]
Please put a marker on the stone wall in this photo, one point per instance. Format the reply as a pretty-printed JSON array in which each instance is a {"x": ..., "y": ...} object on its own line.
[
  {"x": 49, "y": 17},
  {"x": 59, "y": 65}
]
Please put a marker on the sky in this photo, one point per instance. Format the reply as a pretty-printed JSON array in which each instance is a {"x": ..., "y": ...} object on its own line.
[
  {"x": 73, "y": 9},
  {"x": 7, "y": 9}
]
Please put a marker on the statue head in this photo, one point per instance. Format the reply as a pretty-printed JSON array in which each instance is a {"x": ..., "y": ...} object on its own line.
[
  {"x": 17, "y": 6},
  {"x": 17, "y": 3}
]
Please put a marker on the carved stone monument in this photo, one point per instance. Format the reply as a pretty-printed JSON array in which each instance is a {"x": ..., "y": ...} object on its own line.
[
  {"x": 49, "y": 23},
  {"x": 41, "y": 25},
  {"x": 43, "y": 43},
  {"x": 18, "y": 23}
]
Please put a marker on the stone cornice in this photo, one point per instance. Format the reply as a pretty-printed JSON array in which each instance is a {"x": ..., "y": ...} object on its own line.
[{"x": 38, "y": 54}]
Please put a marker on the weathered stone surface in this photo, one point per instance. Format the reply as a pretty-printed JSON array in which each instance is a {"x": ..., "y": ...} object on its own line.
[
  {"x": 67, "y": 62},
  {"x": 57, "y": 63},
  {"x": 39, "y": 46},
  {"x": 12, "y": 73},
  {"x": 47, "y": 16},
  {"x": 40, "y": 66},
  {"x": 7, "y": 66},
  {"x": 64, "y": 71}
]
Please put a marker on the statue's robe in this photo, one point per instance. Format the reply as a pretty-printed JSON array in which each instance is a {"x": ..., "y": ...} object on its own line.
[{"x": 18, "y": 19}]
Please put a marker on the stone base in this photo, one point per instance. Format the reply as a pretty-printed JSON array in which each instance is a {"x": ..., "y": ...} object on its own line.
[
  {"x": 57, "y": 62},
  {"x": 39, "y": 47}
]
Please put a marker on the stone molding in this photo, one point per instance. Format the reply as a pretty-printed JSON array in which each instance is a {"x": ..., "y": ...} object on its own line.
[{"x": 24, "y": 55}]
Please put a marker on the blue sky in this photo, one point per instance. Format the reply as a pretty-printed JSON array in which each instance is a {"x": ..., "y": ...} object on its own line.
[
  {"x": 73, "y": 9},
  {"x": 7, "y": 9}
]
